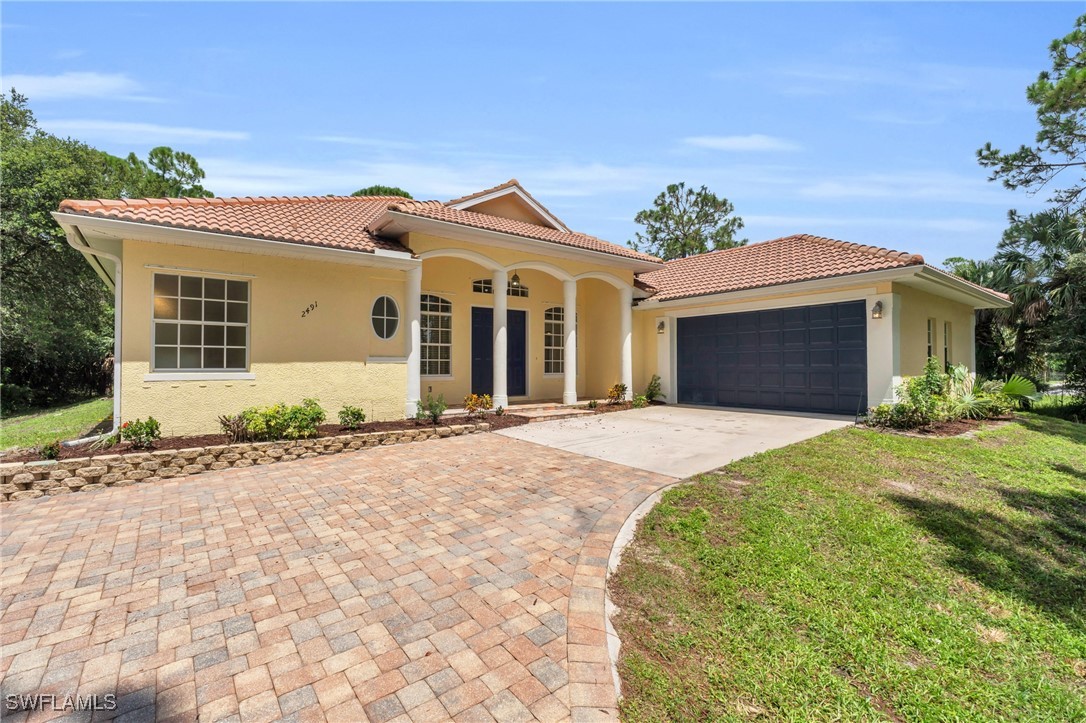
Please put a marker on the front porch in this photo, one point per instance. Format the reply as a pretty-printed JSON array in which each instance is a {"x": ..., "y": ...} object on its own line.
[{"x": 559, "y": 333}]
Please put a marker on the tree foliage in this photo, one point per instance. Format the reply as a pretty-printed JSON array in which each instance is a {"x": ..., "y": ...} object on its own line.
[
  {"x": 379, "y": 190},
  {"x": 684, "y": 221},
  {"x": 166, "y": 174},
  {"x": 1060, "y": 97},
  {"x": 1041, "y": 264},
  {"x": 56, "y": 315}
]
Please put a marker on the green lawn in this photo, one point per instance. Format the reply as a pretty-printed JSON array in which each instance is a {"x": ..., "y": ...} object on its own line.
[
  {"x": 44, "y": 425},
  {"x": 866, "y": 576}
]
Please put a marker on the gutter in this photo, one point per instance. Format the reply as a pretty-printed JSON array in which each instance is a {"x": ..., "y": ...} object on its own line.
[{"x": 98, "y": 254}]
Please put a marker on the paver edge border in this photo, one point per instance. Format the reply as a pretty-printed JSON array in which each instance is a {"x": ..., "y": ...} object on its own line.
[{"x": 590, "y": 606}]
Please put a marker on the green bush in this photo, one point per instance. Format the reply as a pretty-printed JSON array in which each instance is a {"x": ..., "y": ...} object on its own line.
[
  {"x": 280, "y": 421},
  {"x": 937, "y": 396},
  {"x": 15, "y": 398},
  {"x": 50, "y": 450},
  {"x": 432, "y": 409},
  {"x": 141, "y": 434},
  {"x": 351, "y": 417},
  {"x": 592, "y": 404},
  {"x": 640, "y": 401},
  {"x": 652, "y": 391}
]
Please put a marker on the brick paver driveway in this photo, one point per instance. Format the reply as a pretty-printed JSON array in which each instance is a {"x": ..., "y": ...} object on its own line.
[{"x": 457, "y": 578}]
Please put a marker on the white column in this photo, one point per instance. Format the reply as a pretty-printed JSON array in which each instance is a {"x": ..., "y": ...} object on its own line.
[
  {"x": 413, "y": 301},
  {"x": 625, "y": 300},
  {"x": 501, "y": 304},
  {"x": 569, "y": 364},
  {"x": 883, "y": 349}
]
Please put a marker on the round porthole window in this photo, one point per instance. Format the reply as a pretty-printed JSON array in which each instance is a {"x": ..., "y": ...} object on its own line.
[{"x": 386, "y": 317}]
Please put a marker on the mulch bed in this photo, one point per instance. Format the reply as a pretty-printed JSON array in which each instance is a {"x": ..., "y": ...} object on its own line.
[
  {"x": 603, "y": 407},
  {"x": 211, "y": 440},
  {"x": 953, "y": 428}
]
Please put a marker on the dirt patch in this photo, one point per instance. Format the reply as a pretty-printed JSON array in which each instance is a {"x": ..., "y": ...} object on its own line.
[
  {"x": 992, "y": 636},
  {"x": 503, "y": 421}
]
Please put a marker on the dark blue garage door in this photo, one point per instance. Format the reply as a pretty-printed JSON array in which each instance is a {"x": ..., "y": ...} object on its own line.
[{"x": 808, "y": 358}]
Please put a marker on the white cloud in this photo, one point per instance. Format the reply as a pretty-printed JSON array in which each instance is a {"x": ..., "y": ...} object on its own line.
[
  {"x": 752, "y": 142},
  {"x": 131, "y": 132},
  {"x": 114, "y": 86}
]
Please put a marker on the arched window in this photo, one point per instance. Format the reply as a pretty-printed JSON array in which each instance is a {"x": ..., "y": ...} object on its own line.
[
  {"x": 554, "y": 328},
  {"x": 385, "y": 317},
  {"x": 436, "y": 333}
]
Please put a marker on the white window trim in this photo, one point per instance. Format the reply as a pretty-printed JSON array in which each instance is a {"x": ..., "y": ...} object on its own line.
[
  {"x": 399, "y": 317},
  {"x": 561, "y": 341},
  {"x": 422, "y": 346},
  {"x": 196, "y": 374}
]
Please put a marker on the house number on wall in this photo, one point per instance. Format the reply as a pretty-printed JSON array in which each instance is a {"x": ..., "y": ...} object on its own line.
[{"x": 309, "y": 309}]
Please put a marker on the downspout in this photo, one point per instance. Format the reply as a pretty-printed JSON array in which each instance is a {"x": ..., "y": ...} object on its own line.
[{"x": 86, "y": 249}]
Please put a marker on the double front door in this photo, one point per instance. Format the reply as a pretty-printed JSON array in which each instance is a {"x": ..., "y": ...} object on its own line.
[{"x": 482, "y": 351}]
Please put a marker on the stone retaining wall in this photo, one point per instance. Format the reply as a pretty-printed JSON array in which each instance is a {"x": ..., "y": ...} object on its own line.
[{"x": 27, "y": 480}]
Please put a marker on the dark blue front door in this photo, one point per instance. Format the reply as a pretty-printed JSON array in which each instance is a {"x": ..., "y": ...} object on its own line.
[{"x": 482, "y": 352}]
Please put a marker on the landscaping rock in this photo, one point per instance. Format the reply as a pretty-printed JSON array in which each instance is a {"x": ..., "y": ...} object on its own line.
[{"x": 27, "y": 495}]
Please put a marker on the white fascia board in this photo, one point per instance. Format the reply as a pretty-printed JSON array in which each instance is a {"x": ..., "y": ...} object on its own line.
[
  {"x": 799, "y": 287},
  {"x": 476, "y": 200},
  {"x": 227, "y": 242},
  {"x": 947, "y": 284},
  {"x": 470, "y": 234}
]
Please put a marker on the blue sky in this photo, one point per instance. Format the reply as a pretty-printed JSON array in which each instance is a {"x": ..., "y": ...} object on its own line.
[{"x": 856, "y": 121}]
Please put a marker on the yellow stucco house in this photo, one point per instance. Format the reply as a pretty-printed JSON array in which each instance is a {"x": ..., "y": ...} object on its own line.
[{"x": 227, "y": 303}]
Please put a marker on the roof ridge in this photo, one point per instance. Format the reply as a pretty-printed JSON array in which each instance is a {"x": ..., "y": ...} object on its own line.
[
  {"x": 877, "y": 251},
  {"x": 189, "y": 201},
  {"x": 507, "y": 184}
]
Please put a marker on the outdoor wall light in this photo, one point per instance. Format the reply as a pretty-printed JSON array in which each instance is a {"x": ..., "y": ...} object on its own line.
[
  {"x": 661, "y": 326},
  {"x": 876, "y": 310},
  {"x": 515, "y": 281}
]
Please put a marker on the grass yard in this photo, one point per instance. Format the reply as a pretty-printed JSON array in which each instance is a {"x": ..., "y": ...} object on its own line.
[
  {"x": 866, "y": 576},
  {"x": 70, "y": 421}
]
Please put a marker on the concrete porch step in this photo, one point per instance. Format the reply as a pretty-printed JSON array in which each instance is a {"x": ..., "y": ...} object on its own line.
[{"x": 547, "y": 415}]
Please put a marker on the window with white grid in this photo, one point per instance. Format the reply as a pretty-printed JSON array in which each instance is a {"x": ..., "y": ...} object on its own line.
[
  {"x": 436, "y": 333},
  {"x": 200, "y": 324},
  {"x": 486, "y": 286},
  {"x": 554, "y": 340}
]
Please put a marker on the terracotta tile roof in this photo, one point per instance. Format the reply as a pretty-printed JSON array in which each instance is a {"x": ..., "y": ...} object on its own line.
[
  {"x": 511, "y": 183},
  {"x": 330, "y": 221},
  {"x": 440, "y": 212},
  {"x": 781, "y": 261}
]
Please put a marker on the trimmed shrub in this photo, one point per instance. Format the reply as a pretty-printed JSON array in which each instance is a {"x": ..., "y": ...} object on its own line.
[
  {"x": 140, "y": 434},
  {"x": 280, "y": 421},
  {"x": 351, "y": 417}
]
